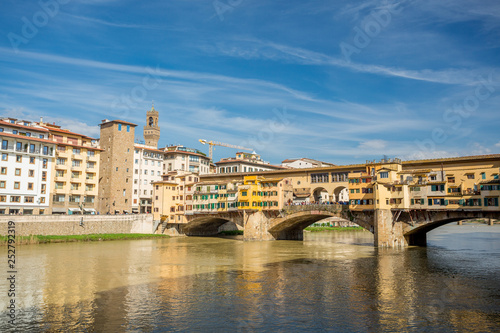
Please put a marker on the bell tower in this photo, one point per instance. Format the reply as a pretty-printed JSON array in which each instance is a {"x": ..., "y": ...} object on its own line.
[{"x": 152, "y": 130}]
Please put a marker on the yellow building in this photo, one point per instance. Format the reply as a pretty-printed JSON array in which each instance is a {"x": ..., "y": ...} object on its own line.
[
  {"x": 75, "y": 174},
  {"x": 262, "y": 193}
]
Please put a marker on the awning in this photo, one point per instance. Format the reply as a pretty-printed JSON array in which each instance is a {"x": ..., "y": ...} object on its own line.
[
  {"x": 58, "y": 210},
  {"x": 302, "y": 195},
  {"x": 74, "y": 209},
  {"x": 126, "y": 211},
  {"x": 135, "y": 209},
  {"x": 89, "y": 210}
]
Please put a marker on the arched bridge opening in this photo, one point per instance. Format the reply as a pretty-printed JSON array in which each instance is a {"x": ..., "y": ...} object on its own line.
[
  {"x": 418, "y": 235},
  {"x": 204, "y": 226},
  {"x": 291, "y": 227}
]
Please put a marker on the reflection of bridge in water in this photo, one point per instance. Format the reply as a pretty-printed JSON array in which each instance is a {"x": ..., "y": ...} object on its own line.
[{"x": 390, "y": 228}]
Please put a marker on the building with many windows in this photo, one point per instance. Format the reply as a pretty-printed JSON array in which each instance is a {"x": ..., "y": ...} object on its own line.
[
  {"x": 173, "y": 196},
  {"x": 180, "y": 158},
  {"x": 148, "y": 168},
  {"x": 75, "y": 172},
  {"x": 25, "y": 167}
]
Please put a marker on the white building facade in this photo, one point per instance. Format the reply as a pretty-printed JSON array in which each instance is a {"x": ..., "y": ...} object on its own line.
[
  {"x": 148, "y": 168},
  {"x": 26, "y": 162},
  {"x": 180, "y": 158}
]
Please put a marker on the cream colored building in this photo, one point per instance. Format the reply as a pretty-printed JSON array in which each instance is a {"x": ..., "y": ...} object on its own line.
[
  {"x": 75, "y": 172},
  {"x": 173, "y": 196},
  {"x": 180, "y": 158}
]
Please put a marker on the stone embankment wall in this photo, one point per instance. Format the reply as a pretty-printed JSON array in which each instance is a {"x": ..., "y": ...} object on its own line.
[{"x": 72, "y": 224}]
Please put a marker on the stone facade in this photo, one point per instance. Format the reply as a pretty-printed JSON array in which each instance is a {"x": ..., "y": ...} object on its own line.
[
  {"x": 116, "y": 166},
  {"x": 73, "y": 225}
]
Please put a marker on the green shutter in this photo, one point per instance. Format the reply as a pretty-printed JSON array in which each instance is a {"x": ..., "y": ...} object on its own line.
[
  {"x": 429, "y": 201},
  {"x": 496, "y": 201},
  {"x": 441, "y": 202},
  {"x": 446, "y": 202},
  {"x": 412, "y": 201},
  {"x": 485, "y": 202},
  {"x": 422, "y": 201},
  {"x": 471, "y": 202}
]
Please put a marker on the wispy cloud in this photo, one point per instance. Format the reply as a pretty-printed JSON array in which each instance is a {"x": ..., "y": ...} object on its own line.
[{"x": 256, "y": 49}]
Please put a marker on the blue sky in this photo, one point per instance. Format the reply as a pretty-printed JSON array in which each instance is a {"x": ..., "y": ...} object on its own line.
[{"x": 339, "y": 81}]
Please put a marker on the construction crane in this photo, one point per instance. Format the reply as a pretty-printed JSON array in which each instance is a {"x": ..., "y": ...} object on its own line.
[{"x": 211, "y": 145}]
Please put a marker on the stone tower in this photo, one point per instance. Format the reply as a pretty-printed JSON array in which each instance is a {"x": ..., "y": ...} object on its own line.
[
  {"x": 116, "y": 166},
  {"x": 152, "y": 130}
]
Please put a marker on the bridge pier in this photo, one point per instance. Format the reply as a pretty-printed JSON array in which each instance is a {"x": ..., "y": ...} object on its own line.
[
  {"x": 388, "y": 233},
  {"x": 256, "y": 226}
]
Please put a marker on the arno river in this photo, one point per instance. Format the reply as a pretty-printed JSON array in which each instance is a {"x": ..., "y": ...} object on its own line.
[{"x": 333, "y": 281}]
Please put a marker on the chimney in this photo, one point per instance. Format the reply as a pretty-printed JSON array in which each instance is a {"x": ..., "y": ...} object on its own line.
[{"x": 41, "y": 120}]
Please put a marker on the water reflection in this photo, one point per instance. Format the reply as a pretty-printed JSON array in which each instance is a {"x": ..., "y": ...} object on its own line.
[{"x": 331, "y": 281}]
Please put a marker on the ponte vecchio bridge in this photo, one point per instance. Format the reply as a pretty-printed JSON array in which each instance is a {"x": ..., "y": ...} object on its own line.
[{"x": 399, "y": 202}]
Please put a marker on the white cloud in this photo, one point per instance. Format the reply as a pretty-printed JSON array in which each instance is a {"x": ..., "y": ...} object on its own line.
[
  {"x": 497, "y": 144},
  {"x": 373, "y": 144}
]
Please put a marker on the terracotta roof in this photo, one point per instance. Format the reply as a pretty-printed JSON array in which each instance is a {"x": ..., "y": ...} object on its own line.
[
  {"x": 31, "y": 128},
  {"x": 53, "y": 129},
  {"x": 26, "y": 137},
  {"x": 289, "y": 160}
]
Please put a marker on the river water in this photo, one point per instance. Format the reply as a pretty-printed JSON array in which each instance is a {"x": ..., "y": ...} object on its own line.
[{"x": 332, "y": 281}]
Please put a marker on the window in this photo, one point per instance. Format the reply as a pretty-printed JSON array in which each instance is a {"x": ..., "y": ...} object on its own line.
[
  {"x": 30, "y": 186},
  {"x": 5, "y": 157},
  {"x": 15, "y": 198},
  {"x": 470, "y": 176},
  {"x": 3, "y": 171},
  {"x": 128, "y": 128},
  {"x": 5, "y": 144},
  {"x": 61, "y": 161},
  {"x": 2, "y": 183},
  {"x": 44, "y": 176},
  {"x": 145, "y": 162},
  {"x": 17, "y": 185},
  {"x": 28, "y": 199},
  {"x": 19, "y": 158},
  {"x": 384, "y": 175},
  {"x": 42, "y": 200},
  {"x": 3, "y": 198},
  {"x": 119, "y": 127},
  {"x": 44, "y": 189},
  {"x": 75, "y": 163},
  {"x": 44, "y": 163},
  {"x": 32, "y": 160}
]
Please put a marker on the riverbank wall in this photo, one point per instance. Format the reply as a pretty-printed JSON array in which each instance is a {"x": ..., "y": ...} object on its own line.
[{"x": 63, "y": 225}]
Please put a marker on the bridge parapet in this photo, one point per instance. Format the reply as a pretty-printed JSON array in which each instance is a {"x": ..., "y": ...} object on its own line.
[{"x": 334, "y": 208}]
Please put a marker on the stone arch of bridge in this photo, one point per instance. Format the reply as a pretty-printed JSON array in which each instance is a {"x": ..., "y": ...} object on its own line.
[
  {"x": 418, "y": 235},
  {"x": 204, "y": 226},
  {"x": 291, "y": 227}
]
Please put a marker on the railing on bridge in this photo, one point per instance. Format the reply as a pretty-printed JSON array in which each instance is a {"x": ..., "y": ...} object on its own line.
[{"x": 332, "y": 208}]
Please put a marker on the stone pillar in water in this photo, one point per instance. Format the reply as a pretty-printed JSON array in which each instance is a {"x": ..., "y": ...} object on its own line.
[{"x": 387, "y": 233}]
